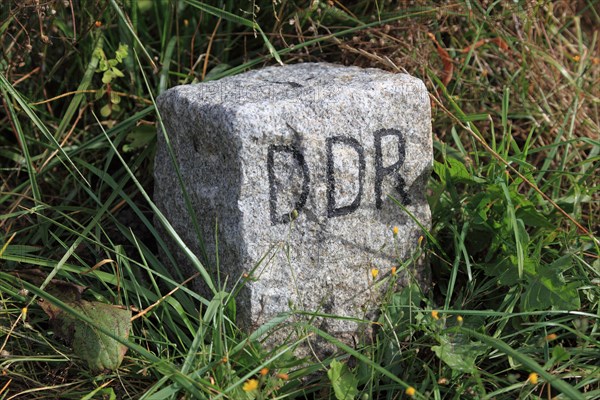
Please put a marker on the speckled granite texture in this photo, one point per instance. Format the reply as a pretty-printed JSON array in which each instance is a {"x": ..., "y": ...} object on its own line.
[{"x": 328, "y": 141}]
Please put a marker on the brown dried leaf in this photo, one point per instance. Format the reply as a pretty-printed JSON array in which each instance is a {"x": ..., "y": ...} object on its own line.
[{"x": 446, "y": 60}]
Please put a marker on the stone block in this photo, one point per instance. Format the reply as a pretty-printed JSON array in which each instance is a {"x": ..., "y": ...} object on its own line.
[{"x": 298, "y": 163}]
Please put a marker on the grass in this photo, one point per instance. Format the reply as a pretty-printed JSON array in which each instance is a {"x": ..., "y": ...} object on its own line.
[{"x": 513, "y": 246}]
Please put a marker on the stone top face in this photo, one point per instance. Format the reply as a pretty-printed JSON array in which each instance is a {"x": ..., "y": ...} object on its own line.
[
  {"x": 297, "y": 163},
  {"x": 301, "y": 83}
]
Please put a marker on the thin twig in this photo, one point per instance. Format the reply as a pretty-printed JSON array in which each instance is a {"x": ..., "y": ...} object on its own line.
[{"x": 146, "y": 310}]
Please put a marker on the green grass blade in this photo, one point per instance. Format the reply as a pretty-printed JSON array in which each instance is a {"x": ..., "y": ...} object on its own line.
[
  {"x": 166, "y": 64},
  {"x": 165, "y": 223},
  {"x": 127, "y": 23},
  {"x": 6, "y": 86},
  {"x": 528, "y": 362},
  {"x": 31, "y": 171},
  {"x": 83, "y": 85},
  {"x": 217, "y": 12},
  {"x": 192, "y": 385},
  {"x": 188, "y": 204}
]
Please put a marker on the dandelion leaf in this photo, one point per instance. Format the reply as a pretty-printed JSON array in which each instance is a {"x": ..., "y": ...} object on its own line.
[
  {"x": 343, "y": 381},
  {"x": 139, "y": 138},
  {"x": 458, "y": 353},
  {"x": 101, "y": 352}
]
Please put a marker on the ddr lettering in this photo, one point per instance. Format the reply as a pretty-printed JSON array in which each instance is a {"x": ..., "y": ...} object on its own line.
[{"x": 382, "y": 173}]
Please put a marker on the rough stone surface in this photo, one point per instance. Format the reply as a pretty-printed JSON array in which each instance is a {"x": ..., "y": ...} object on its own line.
[{"x": 328, "y": 141}]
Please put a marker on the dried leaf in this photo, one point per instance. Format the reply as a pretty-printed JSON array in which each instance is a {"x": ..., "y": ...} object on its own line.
[
  {"x": 498, "y": 41},
  {"x": 66, "y": 291},
  {"x": 446, "y": 61}
]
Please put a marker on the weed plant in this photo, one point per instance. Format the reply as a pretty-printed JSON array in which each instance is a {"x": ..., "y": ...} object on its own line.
[{"x": 513, "y": 311}]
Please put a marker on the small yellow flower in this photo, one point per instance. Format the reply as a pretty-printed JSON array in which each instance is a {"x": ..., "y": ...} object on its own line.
[
  {"x": 224, "y": 360},
  {"x": 264, "y": 371},
  {"x": 395, "y": 230},
  {"x": 435, "y": 314},
  {"x": 576, "y": 58},
  {"x": 533, "y": 378},
  {"x": 374, "y": 272},
  {"x": 410, "y": 391},
  {"x": 459, "y": 319},
  {"x": 393, "y": 271},
  {"x": 250, "y": 385},
  {"x": 283, "y": 376},
  {"x": 24, "y": 313},
  {"x": 551, "y": 337}
]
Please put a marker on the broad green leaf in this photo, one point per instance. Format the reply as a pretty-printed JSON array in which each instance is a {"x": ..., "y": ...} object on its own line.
[
  {"x": 101, "y": 352},
  {"x": 107, "y": 76},
  {"x": 117, "y": 72},
  {"x": 343, "y": 381},
  {"x": 139, "y": 137},
  {"x": 560, "y": 354},
  {"x": 105, "y": 110},
  {"x": 455, "y": 171},
  {"x": 458, "y": 171},
  {"x": 121, "y": 52},
  {"x": 544, "y": 293},
  {"x": 99, "y": 93},
  {"x": 401, "y": 305},
  {"x": 459, "y": 353},
  {"x": 531, "y": 217},
  {"x": 115, "y": 98},
  {"x": 547, "y": 289}
]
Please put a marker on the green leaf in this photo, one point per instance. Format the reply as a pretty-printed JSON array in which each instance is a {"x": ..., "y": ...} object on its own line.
[
  {"x": 106, "y": 110},
  {"x": 99, "y": 351},
  {"x": 99, "y": 53},
  {"x": 459, "y": 353},
  {"x": 117, "y": 72},
  {"x": 139, "y": 137},
  {"x": 343, "y": 381},
  {"x": 560, "y": 354},
  {"x": 115, "y": 98},
  {"x": 455, "y": 171},
  {"x": 102, "y": 61},
  {"x": 121, "y": 52},
  {"x": 544, "y": 293},
  {"x": 569, "y": 391},
  {"x": 547, "y": 289},
  {"x": 107, "y": 76},
  {"x": 401, "y": 305},
  {"x": 99, "y": 93},
  {"x": 532, "y": 217}
]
